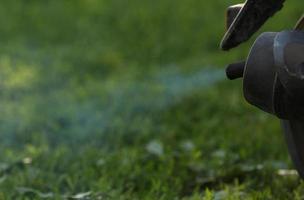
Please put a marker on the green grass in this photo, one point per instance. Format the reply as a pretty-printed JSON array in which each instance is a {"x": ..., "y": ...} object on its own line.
[{"x": 116, "y": 99}]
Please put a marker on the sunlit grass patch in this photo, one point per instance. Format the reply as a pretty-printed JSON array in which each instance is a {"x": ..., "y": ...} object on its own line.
[{"x": 115, "y": 99}]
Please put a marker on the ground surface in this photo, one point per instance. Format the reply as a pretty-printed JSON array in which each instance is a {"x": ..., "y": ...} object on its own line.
[{"x": 116, "y": 99}]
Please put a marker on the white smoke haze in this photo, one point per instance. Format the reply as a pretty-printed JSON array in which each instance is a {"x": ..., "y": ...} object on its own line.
[{"x": 78, "y": 111}]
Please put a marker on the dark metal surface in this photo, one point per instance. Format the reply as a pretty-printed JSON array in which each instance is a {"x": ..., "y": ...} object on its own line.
[
  {"x": 294, "y": 136},
  {"x": 260, "y": 74},
  {"x": 289, "y": 53},
  {"x": 252, "y": 16},
  {"x": 273, "y": 80},
  {"x": 289, "y": 59},
  {"x": 235, "y": 70}
]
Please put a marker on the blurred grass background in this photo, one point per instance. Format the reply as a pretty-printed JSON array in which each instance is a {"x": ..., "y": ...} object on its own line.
[{"x": 116, "y": 99}]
